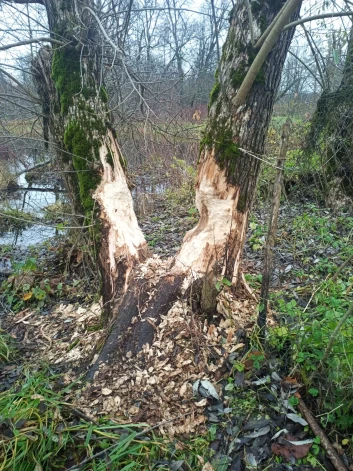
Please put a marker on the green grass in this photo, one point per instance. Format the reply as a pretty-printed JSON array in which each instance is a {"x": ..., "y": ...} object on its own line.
[
  {"x": 40, "y": 431},
  {"x": 7, "y": 347}
]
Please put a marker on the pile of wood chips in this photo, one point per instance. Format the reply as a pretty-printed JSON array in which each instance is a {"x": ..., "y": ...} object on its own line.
[{"x": 157, "y": 385}]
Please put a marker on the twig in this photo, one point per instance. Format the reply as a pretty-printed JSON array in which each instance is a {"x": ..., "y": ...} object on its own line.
[
  {"x": 272, "y": 229},
  {"x": 24, "y": 318},
  {"x": 247, "y": 288},
  {"x": 83, "y": 416},
  {"x": 324, "y": 441},
  {"x": 341, "y": 267},
  {"x": 30, "y": 41},
  {"x": 45, "y": 336}
]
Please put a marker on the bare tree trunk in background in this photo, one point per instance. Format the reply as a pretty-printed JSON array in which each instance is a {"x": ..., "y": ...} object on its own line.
[
  {"x": 332, "y": 128},
  {"x": 226, "y": 183},
  {"x": 68, "y": 79}
]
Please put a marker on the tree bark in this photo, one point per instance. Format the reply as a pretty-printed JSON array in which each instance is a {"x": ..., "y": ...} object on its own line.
[
  {"x": 332, "y": 129},
  {"x": 68, "y": 81},
  {"x": 227, "y": 174}
]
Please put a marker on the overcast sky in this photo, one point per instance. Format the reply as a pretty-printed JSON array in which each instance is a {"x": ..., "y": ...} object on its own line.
[{"x": 17, "y": 25}]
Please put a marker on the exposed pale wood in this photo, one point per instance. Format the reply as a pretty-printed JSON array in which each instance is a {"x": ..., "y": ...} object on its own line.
[{"x": 125, "y": 244}]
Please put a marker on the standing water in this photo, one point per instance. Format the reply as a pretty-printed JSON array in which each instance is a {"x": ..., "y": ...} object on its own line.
[{"x": 31, "y": 198}]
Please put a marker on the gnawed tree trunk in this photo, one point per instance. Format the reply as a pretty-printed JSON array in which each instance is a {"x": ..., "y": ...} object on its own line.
[
  {"x": 68, "y": 80},
  {"x": 226, "y": 182}
]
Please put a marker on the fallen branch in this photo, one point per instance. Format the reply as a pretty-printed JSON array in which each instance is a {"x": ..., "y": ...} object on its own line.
[{"x": 324, "y": 441}]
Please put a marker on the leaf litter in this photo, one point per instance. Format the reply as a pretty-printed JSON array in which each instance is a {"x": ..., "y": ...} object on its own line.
[
  {"x": 179, "y": 379},
  {"x": 158, "y": 385}
]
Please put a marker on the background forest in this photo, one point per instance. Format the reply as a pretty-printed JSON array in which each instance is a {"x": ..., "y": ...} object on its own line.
[{"x": 117, "y": 359}]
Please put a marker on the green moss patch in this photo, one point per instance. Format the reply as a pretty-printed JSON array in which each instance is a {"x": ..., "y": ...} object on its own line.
[
  {"x": 103, "y": 95},
  {"x": 215, "y": 92},
  {"x": 220, "y": 138},
  {"x": 80, "y": 142},
  {"x": 66, "y": 75}
]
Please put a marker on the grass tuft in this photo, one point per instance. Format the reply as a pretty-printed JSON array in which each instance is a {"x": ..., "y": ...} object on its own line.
[{"x": 41, "y": 431}]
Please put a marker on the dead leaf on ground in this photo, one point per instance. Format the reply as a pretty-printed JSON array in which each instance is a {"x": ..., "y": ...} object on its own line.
[{"x": 289, "y": 451}]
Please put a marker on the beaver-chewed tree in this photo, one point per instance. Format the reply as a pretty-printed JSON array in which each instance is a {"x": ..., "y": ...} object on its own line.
[
  {"x": 234, "y": 138},
  {"x": 68, "y": 77},
  {"x": 228, "y": 170}
]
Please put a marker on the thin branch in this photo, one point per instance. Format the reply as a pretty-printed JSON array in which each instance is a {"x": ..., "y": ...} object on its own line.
[
  {"x": 307, "y": 68},
  {"x": 317, "y": 17},
  {"x": 39, "y": 223},
  {"x": 4, "y": 98},
  {"x": 30, "y": 41},
  {"x": 268, "y": 30},
  {"x": 119, "y": 51},
  {"x": 23, "y": 2},
  {"x": 167, "y": 8},
  {"x": 267, "y": 46},
  {"x": 20, "y": 85},
  {"x": 16, "y": 68},
  {"x": 251, "y": 23},
  {"x": 35, "y": 167},
  {"x": 342, "y": 267},
  {"x": 312, "y": 46}
]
